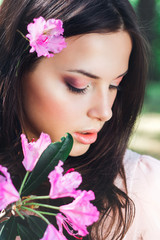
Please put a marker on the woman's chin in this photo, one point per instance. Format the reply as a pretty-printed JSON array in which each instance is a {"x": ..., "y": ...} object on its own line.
[{"x": 79, "y": 149}]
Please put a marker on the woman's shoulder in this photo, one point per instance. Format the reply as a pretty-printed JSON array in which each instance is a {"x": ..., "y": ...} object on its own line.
[
  {"x": 143, "y": 186},
  {"x": 141, "y": 169}
]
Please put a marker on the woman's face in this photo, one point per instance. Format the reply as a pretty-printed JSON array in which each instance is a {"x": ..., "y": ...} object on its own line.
[{"x": 74, "y": 91}]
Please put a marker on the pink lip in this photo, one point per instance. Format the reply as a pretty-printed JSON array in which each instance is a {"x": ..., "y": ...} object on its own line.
[{"x": 85, "y": 138}]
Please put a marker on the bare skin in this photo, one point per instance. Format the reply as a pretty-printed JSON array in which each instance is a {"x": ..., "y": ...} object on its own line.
[{"x": 74, "y": 91}]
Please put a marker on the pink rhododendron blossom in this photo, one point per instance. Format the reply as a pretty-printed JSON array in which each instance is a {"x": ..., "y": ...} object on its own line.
[
  {"x": 63, "y": 185},
  {"x": 51, "y": 233},
  {"x": 33, "y": 150},
  {"x": 80, "y": 213},
  {"x": 8, "y": 193},
  {"x": 46, "y": 36}
]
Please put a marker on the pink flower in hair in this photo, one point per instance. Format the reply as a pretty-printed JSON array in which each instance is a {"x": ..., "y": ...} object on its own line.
[
  {"x": 45, "y": 37},
  {"x": 64, "y": 185},
  {"x": 33, "y": 150},
  {"x": 8, "y": 193},
  {"x": 52, "y": 233}
]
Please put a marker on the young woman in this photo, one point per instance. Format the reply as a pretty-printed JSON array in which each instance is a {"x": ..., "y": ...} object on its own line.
[{"x": 92, "y": 89}]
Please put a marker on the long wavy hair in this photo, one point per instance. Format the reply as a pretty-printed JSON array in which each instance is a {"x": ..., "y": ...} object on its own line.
[{"x": 103, "y": 162}]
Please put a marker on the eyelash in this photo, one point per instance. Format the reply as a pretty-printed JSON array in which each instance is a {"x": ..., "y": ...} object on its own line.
[
  {"x": 84, "y": 90},
  {"x": 118, "y": 88},
  {"x": 76, "y": 90}
]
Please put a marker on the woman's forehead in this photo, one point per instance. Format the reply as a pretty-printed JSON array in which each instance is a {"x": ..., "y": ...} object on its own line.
[{"x": 96, "y": 54}]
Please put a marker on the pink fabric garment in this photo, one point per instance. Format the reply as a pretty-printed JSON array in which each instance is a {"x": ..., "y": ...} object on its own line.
[{"x": 143, "y": 184}]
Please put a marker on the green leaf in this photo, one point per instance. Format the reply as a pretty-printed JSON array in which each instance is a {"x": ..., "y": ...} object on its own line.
[
  {"x": 2, "y": 226},
  {"x": 37, "y": 225},
  {"x": 9, "y": 231},
  {"x": 31, "y": 228},
  {"x": 46, "y": 163},
  {"x": 25, "y": 233}
]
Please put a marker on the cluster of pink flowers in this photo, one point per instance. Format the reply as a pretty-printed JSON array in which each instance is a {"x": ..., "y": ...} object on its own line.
[
  {"x": 45, "y": 37},
  {"x": 77, "y": 215}
]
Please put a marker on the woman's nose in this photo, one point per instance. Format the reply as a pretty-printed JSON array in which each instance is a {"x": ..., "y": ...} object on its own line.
[{"x": 101, "y": 107}]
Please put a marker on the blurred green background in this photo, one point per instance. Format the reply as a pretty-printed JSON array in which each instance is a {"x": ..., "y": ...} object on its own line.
[{"x": 146, "y": 137}]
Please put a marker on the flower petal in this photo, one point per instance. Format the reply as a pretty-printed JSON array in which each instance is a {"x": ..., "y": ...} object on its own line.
[
  {"x": 8, "y": 193},
  {"x": 63, "y": 185},
  {"x": 36, "y": 29},
  {"x": 33, "y": 150},
  {"x": 52, "y": 233},
  {"x": 81, "y": 213},
  {"x": 54, "y": 26}
]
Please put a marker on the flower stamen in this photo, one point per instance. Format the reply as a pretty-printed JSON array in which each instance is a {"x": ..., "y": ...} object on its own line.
[
  {"x": 70, "y": 170},
  {"x": 13, "y": 210}
]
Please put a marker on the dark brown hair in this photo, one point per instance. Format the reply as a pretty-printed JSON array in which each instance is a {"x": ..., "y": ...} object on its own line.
[{"x": 104, "y": 160}]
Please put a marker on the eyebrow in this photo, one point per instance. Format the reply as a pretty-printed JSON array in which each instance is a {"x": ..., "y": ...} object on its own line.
[
  {"x": 87, "y": 74},
  {"x": 90, "y": 75}
]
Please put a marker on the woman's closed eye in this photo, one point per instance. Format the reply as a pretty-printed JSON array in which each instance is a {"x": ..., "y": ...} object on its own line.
[
  {"x": 84, "y": 90},
  {"x": 76, "y": 85},
  {"x": 115, "y": 87},
  {"x": 76, "y": 90},
  {"x": 116, "y": 84},
  {"x": 80, "y": 86}
]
